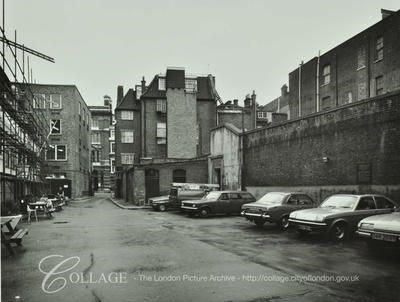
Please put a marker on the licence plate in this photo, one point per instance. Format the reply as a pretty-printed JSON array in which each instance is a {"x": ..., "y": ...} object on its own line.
[
  {"x": 304, "y": 227},
  {"x": 384, "y": 237}
]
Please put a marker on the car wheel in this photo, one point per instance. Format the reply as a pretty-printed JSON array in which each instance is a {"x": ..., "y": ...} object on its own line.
[
  {"x": 204, "y": 212},
  {"x": 162, "y": 207},
  {"x": 339, "y": 232},
  {"x": 259, "y": 223},
  {"x": 284, "y": 223}
]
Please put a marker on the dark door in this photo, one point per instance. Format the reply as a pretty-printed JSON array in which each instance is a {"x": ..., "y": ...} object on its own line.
[{"x": 152, "y": 183}]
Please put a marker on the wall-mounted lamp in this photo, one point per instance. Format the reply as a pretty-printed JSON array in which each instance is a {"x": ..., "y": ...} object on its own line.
[{"x": 325, "y": 159}]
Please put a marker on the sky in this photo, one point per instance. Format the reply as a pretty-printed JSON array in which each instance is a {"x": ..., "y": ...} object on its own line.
[{"x": 246, "y": 44}]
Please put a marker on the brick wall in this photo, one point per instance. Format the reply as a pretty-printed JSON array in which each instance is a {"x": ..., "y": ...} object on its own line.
[
  {"x": 359, "y": 142},
  {"x": 181, "y": 124},
  {"x": 152, "y": 117},
  {"x": 206, "y": 117}
]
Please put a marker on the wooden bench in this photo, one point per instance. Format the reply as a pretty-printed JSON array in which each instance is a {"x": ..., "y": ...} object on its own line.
[{"x": 18, "y": 235}]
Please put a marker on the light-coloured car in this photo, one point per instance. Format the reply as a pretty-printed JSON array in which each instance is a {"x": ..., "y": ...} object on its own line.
[
  {"x": 339, "y": 215},
  {"x": 381, "y": 228}
]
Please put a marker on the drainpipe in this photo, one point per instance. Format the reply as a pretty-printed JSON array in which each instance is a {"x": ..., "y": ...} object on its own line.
[
  {"x": 301, "y": 65},
  {"x": 318, "y": 64}
]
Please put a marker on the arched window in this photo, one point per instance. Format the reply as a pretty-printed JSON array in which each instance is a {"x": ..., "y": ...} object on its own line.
[{"x": 179, "y": 175}]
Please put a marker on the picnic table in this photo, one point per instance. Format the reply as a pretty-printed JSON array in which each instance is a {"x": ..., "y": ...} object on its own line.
[
  {"x": 42, "y": 207},
  {"x": 12, "y": 236}
]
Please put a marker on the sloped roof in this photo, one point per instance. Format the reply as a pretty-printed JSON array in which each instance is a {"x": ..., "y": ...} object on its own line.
[
  {"x": 153, "y": 92},
  {"x": 230, "y": 127},
  {"x": 129, "y": 101}
]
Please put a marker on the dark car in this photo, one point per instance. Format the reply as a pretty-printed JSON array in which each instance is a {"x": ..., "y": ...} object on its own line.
[
  {"x": 275, "y": 207},
  {"x": 339, "y": 214},
  {"x": 218, "y": 202}
]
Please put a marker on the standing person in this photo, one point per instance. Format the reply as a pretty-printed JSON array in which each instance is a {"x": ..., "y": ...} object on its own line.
[{"x": 61, "y": 194}]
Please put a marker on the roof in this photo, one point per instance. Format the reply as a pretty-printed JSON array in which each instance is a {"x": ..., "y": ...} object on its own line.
[
  {"x": 228, "y": 126},
  {"x": 129, "y": 101},
  {"x": 153, "y": 92}
]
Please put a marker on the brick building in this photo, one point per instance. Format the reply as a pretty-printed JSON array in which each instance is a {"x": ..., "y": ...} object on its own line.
[
  {"x": 23, "y": 134},
  {"x": 364, "y": 66},
  {"x": 101, "y": 122},
  {"x": 67, "y": 156},
  {"x": 168, "y": 120}
]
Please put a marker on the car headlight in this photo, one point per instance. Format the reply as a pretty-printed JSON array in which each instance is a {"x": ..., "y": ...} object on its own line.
[
  {"x": 367, "y": 226},
  {"x": 194, "y": 205},
  {"x": 320, "y": 218}
]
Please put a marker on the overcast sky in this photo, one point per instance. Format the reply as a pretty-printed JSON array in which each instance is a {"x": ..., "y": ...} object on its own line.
[{"x": 247, "y": 45}]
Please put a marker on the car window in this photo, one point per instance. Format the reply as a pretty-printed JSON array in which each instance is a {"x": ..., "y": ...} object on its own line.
[
  {"x": 305, "y": 200},
  {"x": 383, "y": 203},
  {"x": 224, "y": 196},
  {"x": 294, "y": 199},
  {"x": 366, "y": 203},
  {"x": 246, "y": 196},
  {"x": 234, "y": 196}
]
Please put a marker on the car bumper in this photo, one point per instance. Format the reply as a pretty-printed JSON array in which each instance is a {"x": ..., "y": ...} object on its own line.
[
  {"x": 253, "y": 216},
  {"x": 379, "y": 236},
  {"x": 190, "y": 209},
  {"x": 311, "y": 226}
]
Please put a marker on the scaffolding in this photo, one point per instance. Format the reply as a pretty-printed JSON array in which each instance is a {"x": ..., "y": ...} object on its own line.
[{"x": 23, "y": 127}]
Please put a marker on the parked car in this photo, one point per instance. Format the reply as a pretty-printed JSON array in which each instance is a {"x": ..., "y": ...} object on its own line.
[
  {"x": 159, "y": 203},
  {"x": 339, "y": 214},
  {"x": 183, "y": 191},
  {"x": 275, "y": 207},
  {"x": 57, "y": 201},
  {"x": 381, "y": 229},
  {"x": 218, "y": 202}
]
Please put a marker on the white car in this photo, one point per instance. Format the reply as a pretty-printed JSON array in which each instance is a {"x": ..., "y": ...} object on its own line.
[{"x": 381, "y": 228}]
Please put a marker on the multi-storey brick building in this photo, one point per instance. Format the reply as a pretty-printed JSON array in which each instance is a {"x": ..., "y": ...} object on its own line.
[
  {"x": 101, "y": 147},
  {"x": 67, "y": 157},
  {"x": 364, "y": 66},
  {"x": 167, "y": 121}
]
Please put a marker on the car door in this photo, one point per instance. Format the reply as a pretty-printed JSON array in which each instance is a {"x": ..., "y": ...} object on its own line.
[
  {"x": 305, "y": 202},
  {"x": 236, "y": 202},
  {"x": 223, "y": 204},
  {"x": 366, "y": 207},
  {"x": 383, "y": 205}
]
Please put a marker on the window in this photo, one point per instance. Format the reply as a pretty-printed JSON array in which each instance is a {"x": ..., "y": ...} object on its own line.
[
  {"x": 383, "y": 203},
  {"x": 112, "y": 147},
  {"x": 326, "y": 103},
  {"x": 39, "y": 101},
  {"x": 95, "y": 124},
  {"x": 304, "y": 199},
  {"x": 379, "y": 49},
  {"x": 96, "y": 138},
  {"x": 127, "y": 115},
  {"x": 95, "y": 156},
  {"x": 349, "y": 97},
  {"x": 112, "y": 166},
  {"x": 366, "y": 203},
  {"x": 55, "y": 126},
  {"x": 191, "y": 85},
  {"x": 87, "y": 119},
  {"x": 161, "y": 106},
  {"x": 262, "y": 114},
  {"x": 127, "y": 158},
  {"x": 224, "y": 196},
  {"x": 161, "y": 84},
  {"x": 326, "y": 74},
  {"x": 161, "y": 133},
  {"x": 361, "y": 58},
  {"x": 79, "y": 110},
  {"x": 55, "y": 102},
  {"x": 56, "y": 152},
  {"x": 126, "y": 136},
  {"x": 112, "y": 134},
  {"x": 179, "y": 175},
  {"x": 234, "y": 196},
  {"x": 379, "y": 85}
]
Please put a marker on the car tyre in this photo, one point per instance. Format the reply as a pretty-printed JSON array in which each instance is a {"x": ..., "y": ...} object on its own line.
[
  {"x": 284, "y": 223},
  {"x": 204, "y": 212},
  {"x": 162, "y": 207},
  {"x": 339, "y": 232},
  {"x": 259, "y": 223}
]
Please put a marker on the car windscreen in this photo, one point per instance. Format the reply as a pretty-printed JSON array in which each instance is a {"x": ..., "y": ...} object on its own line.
[
  {"x": 274, "y": 198},
  {"x": 345, "y": 201},
  {"x": 212, "y": 196}
]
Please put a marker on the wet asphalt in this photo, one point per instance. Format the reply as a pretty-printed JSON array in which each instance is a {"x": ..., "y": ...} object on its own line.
[{"x": 142, "y": 255}]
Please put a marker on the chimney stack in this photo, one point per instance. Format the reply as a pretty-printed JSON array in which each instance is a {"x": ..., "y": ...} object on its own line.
[
  {"x": 143, "y": 85},
  {"x": 253, "y": 98},
  {"x": 284, "y": 90},
  {"x": 235, "y": 102},
  {"x": 120, "y": 94}
]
